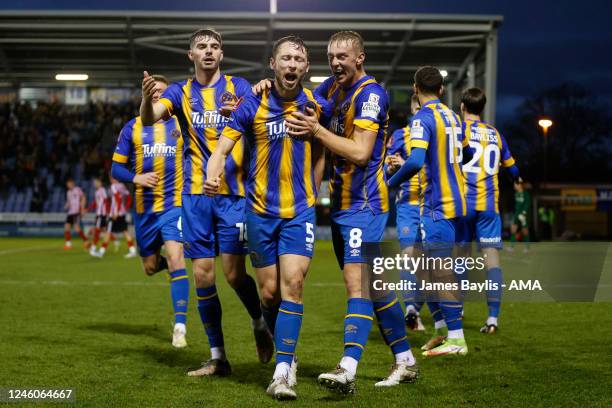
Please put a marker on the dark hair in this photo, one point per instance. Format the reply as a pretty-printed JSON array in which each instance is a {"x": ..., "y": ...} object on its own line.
[
  {"x": 293, "y": 39},
  {"x": 428, "y": 80},
  {"x": 161, "y": 78},
  {"x": 352, "y": 37},
  {"x": 474, "y": 100},
  {"x": 205, "y": 32}
]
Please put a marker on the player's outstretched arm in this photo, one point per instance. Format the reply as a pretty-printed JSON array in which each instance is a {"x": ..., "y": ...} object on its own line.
[
  {"x": 150, "y": 112},
  {"x": 216, "y": 164},
  {"x": 409, "y": 168},
  {"x": 357, "y": 149}
]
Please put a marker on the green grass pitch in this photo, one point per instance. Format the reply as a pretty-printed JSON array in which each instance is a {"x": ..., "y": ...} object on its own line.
[{"x": 100, "y": 326}]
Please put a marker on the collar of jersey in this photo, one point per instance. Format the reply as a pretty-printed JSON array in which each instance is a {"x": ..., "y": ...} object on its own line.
[
  {"x": 195, "y": 81},
  {"x": 433, "y": 101}
]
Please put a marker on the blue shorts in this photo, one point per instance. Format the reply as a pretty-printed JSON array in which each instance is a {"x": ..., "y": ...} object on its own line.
[
  {"x": 213, "y": 225},
  {"x": 483, "y": 226},
  {"x": 438, "y": 235},
  {"x": 350, "y": 228},
  {"x": 408, "y": 222},
  {"x": 153, "y": 229},
  {"x": 270, "y": 237}
]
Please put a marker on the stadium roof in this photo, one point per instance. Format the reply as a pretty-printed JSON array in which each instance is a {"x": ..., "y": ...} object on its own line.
[{"x": 113, "y": 47}]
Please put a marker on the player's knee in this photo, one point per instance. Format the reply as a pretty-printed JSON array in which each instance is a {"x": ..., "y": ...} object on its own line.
[
  {"x": 175, "y": 261},
  {"x": 204, "y": 276},
  {"x": 292, "y": 288}
]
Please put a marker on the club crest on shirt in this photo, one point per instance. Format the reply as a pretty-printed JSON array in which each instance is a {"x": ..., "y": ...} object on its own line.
[
  {"x": 345, "y": 108},
  {"x": 175, "y": 133},
  {"x": 227, "y": 98},
  {"x": 309, "y": 104}
]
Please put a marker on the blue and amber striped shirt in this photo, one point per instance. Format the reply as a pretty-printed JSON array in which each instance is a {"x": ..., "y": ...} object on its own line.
[
  {"x": 438, "y": 129},
  {"x": 364, "y": 105},
  {"x": 197, "y": 109},
  {"x": 409, "y": 191},
  {"x": 281, "y": 171},
  {"x": 490, "y": 150},
  {"x": 157, "y": 148}
]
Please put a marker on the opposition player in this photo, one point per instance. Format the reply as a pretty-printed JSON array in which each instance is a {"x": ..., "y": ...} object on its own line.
[
  {"x": 75, "y": 206},
  {"x": 151, "y": 157},
  {"x": 522, "y": 207},
  {"x": 101, "y": 205},
  {"x": 482, "y": 222},
  {"x": 285, "y": 172},
  {"x": 408, "y": 211},
  {"x": 437, "y": 144},
  {"x": 356, "y": 136},
  {"x": 211, "y": 225},
  {"x": 121, "y": 200}
]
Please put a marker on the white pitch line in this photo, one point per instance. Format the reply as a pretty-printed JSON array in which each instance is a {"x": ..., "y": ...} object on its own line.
[
  {"x": 27, "y": 249},
  {"x": 114, "y": 283}
]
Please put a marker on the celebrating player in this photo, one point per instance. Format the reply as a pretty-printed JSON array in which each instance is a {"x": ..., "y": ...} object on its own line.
[
  {"x": 285, "y": 172},
  {"x": 211, "y": 224},
  {"x": 356, "y": 136},
  {"x": 151, "y": 157},
  {"x": 121, "y": 200},
  {"x": 482, "y": 221},
  {"x": 437, "y": 143},
  {"x": 408, "y": 215},
  {"x": 102, "y": 206},
  {"x": 75, "y": 206}
]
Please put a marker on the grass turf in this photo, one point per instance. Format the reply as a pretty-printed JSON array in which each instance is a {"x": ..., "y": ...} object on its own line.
[{"x": 103, "y": 328}]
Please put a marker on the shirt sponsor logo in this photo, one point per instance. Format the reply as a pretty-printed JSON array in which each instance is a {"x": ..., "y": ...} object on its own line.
[
  {"x": 490, "y": 240},
  {"x": 208, "y": 119},
  {"x": 158, "y": 150},
  {"x": 276, "y": 130}
]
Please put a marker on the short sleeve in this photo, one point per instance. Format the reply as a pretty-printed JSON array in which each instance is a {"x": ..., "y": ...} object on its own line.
[
  {"x": 124, "y": 144},
  {"x": 171, "y": 98},
  {"x": 242, "y": 87},
  {"x": 421, "y": 129},
  {"x": 506, "y": 156},
  {"x": 240, "y": 120},
  {"x": 371, "y": 108}
]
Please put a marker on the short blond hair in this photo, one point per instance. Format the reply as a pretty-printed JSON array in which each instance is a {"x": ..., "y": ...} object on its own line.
[{"x": 352, "y": 37}]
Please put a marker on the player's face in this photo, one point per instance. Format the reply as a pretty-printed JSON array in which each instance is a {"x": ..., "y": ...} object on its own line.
[
  {"x": 206, "y": 54},
  {"x": 97, "y": 183},
  {"x": 69, "y": 184},
  {"x": 345, "y": 61},
  {"x": 290, "y": 64},
  {"x": 160, "y": 87}
]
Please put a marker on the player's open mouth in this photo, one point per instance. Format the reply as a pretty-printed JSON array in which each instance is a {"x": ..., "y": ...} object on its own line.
[
  {"x": 209, "y": 60},
  {"x": 290, "y": 78}
]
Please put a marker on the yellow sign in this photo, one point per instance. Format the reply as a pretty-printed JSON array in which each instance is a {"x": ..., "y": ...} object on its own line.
[{"x": 578, "y": 199}]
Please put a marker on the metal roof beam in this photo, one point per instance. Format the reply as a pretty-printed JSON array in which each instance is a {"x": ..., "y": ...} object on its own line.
[{"x": 399, "y": 53}]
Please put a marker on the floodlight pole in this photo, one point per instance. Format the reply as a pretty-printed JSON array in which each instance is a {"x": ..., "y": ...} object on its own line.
[{"x": 491, "y": 75}]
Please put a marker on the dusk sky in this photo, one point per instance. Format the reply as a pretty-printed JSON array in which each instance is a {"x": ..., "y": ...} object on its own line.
[{"x": 541, "y": 43}]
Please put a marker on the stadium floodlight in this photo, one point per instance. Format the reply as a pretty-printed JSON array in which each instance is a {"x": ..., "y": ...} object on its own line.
[
  {"x": 71, "y": 77},
  {"x": 444, "y": 73},
  {"x": 545, "y": 124},
  {"x": 317, "y": 79}
]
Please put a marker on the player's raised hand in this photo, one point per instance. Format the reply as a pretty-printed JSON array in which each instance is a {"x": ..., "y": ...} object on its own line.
[
  {"x": 148, "y": 86},
  {"x": 211, "y": 186},
  {"x": 300, "y": 125},
  {"x": 149, "y": 180},
  {"x": 262, "y": 86}
]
